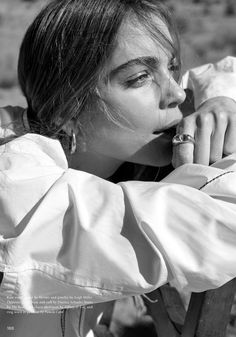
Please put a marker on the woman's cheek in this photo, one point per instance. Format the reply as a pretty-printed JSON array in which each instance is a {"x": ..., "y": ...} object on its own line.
[
  {"x": 141, "y": 109},
  {"x": 138, "y": 108}
]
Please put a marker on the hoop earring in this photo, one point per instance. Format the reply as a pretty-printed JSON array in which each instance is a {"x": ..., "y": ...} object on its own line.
[{"x": 73, "y": 144}]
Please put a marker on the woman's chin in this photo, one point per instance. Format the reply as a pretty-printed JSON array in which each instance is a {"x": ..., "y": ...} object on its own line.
[{"x": 156, "y": 152}]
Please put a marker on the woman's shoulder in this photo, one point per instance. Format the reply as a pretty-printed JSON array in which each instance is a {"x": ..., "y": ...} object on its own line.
[{"x": 31, "y": 155}]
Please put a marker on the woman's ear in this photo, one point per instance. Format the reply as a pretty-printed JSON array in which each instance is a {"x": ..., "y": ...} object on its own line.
[{"x": 77, "y": 140}]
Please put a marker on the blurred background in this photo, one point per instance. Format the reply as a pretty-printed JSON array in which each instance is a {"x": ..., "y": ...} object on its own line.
[{"x": 207, "y": 29}]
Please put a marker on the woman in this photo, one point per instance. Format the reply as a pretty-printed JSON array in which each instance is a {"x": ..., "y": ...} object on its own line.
[{"x": 102, "y": 77}]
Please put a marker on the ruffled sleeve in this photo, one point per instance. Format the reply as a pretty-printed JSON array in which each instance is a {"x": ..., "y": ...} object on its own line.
[
  {"x": 212, "y": 80},
  {"x": 69, "y": 238}
]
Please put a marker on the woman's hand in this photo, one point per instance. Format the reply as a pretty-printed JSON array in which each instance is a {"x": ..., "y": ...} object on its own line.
[{"x": 213, "y": 126}]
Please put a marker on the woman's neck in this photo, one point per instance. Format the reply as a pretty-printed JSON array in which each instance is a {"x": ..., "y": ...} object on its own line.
[
  {"x": 11, "y": 117},
  {"x": 94, "y": 163}
]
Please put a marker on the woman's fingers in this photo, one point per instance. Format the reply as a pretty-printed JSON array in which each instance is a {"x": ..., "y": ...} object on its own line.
[
  {"x": 219, "y": 133},
  {"x": 184, "y": 153},
  {"x": 213, "y": 127},
  {"x": 203, "y": 132},
  {"x": 200, "y": 128},
  {"x": 230, "y": 136}
]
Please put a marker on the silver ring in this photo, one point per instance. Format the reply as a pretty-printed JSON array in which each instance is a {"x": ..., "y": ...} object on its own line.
[{"x": 182, "y": 138}]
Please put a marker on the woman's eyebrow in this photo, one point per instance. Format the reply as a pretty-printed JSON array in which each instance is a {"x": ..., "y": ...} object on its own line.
[{"x": 150, "y": 61}]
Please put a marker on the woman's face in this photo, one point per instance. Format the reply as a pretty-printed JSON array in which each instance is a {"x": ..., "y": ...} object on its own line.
[{"x": 142, "y": 97}]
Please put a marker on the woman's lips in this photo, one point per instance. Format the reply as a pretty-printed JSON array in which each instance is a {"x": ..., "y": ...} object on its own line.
[{"x": 169, "y": 132}]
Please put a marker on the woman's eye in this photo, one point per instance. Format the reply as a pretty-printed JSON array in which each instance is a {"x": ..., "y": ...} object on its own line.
[
  {"x": 174, "y": 67},
  {"x": 138, "y": 81}
]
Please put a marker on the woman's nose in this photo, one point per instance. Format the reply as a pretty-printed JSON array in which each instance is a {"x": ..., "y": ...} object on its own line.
[{"x": 171, "y": 95}]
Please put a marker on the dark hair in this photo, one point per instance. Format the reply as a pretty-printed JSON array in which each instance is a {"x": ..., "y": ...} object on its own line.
[{"x": 64, "y": 51}]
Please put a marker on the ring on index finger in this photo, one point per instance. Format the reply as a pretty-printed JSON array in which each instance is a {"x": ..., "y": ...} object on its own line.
[{"x": 182, "y": 138}]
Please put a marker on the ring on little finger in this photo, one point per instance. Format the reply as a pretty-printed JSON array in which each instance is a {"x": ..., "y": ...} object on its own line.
[{"x": 182, "y": 138}]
